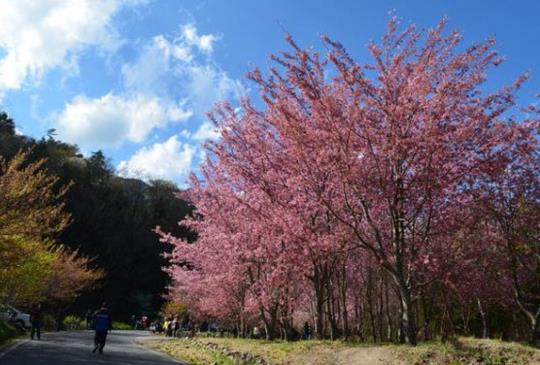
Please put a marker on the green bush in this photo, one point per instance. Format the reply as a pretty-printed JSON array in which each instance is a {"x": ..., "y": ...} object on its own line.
[
  {"x": 6, "y": 332},
  {"x": 49, "y": 322},
  {"x": 73, "y": 323},
  {"x": 121, "y": 326}
]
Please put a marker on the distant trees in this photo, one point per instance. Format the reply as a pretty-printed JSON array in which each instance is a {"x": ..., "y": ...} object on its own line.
[
  {"x": 113, "y": 220},
  {"x": 368, "y": 199},
  {"x": 110, "y": 231},
  {"x": 10, "y": 143}
]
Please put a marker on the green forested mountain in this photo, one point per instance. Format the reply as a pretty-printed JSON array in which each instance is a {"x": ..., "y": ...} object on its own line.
[{"x": 112, "y": 220}]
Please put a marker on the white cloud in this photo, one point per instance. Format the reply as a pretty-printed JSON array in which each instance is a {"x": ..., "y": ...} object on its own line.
[
  {"x": 170, "y": 79},
  {"x": 113, "y": 119},
  {"x": 161, "y": 59},
  {"x": 149, "y": 72},
  {"x": 207, "y": 85},
  {"x": 205, "y": 42},
  {"x": 185, "y": 133},
  {"x": 206, "y": 131},
  {"x": 38, "y": 36},
  {"x": 168, "y": 160},
  {"x": 171, "y": 66},
  {"x": 165, "y": 70}
]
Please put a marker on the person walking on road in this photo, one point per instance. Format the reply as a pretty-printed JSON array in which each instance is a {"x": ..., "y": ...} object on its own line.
[
  {"x": 102, "y": 324},
  {"x": 36, "y": 319}
]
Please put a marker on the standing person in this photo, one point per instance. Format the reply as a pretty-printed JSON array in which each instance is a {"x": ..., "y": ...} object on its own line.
[
  {"x": 166, "y": 327},
  {"x": 89, "y": 319},
  {"x": 102, "y": 324},
  {"x": 307, "y": 331},
  {"x": 176, "y": 326},
  {"x": 36, "y": 319},
  {"x": 170, "y": 327}
]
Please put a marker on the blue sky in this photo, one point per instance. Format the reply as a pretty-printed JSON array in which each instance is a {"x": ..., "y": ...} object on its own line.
[{"x": 135, "y": 77}]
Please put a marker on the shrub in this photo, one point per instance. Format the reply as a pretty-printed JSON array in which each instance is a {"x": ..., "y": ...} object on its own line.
[
  {"x": 121, "y": 326},
  {"x": 6, "y": 332},
  {"x": 49, "y": 322},
  {"x": 73, "y": 323}
]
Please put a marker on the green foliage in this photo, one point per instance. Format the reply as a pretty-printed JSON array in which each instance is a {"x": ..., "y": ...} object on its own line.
[
  {"x": 74, "y": 323},
  {"x": 33, "y": 267},
  {"x": 49, "y": 322},
  {"x": 30, "y": 263},
  {"x": 173, "y": 309},
  {"x": 193, "y": 352},
  {"x": 121, "y": 326},
  {"x": 6, "y": 332}
]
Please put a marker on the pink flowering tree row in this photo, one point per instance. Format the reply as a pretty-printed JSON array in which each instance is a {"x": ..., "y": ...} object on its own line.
[{"x": 389, "y": 198}]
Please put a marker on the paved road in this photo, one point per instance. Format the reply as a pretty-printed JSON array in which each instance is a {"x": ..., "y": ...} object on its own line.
[{"x": 70, "y": 348}]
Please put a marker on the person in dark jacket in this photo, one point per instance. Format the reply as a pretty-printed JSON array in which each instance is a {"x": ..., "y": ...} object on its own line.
[
  {"x": 102, "y": 324},
  {"x": 89, "y": 317},
  {"x": 307, "y": 331},
  {"x": 36, "y": 319}
]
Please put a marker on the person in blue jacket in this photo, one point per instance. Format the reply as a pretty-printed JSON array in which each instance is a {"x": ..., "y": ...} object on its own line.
[{"x": 102, "y": 324}]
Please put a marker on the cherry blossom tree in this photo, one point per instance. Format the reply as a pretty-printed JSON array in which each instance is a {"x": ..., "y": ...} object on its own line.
[
  {"x": 406, "y": 146},
  {"x": 345, "y": 164}
]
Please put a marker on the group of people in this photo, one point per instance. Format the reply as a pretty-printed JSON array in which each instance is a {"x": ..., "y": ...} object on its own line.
[
  {"x": 143, "y": 323},
  {"x": 173, "y": 326},
  {"x": 101, "y": 322}
]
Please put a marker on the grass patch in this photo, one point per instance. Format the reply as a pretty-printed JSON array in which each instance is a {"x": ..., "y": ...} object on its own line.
[
  {"x": 463, "y": 351},
  {"x": 470, "y": 351},
  {"x": 276, "y": 352},
  {"x": 191, "y": 352}
]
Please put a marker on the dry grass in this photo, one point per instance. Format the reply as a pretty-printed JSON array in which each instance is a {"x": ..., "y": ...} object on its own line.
[
  {"x": 275, "y": 352},
  {"x": 471, "y": 351},
  {"x": 190, "y": 352},
  {"x": 464, "y": 351}
]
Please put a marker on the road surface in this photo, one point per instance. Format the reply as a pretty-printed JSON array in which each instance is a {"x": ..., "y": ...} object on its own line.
[{"x": 75, "y": 348}]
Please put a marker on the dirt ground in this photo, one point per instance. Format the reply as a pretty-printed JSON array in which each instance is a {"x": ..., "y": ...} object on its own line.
[{"x": 320, "y": 355}]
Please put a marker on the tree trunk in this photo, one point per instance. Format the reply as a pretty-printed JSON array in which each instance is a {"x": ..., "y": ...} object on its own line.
[
  {"x": 270, "y": 324},
  {"x": 535, "y": 328},
  {"x": 407, "y": 314},
  {"x": 380, "y": 309},
  {"x": 369, "y": 298},
  {"x": 358, "y": 320},
  {"x": 484, "y": 318},
  {"x": 318, "y": 284},
  {"x": 401, "y": 331},
  {"x": 271, "y": 328},
  {"x": 427, "y": 318},
  {"x": 330, "y": 313},
  {"x": 345, "y": 313},
  {"x": 390, "y": 326}
]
